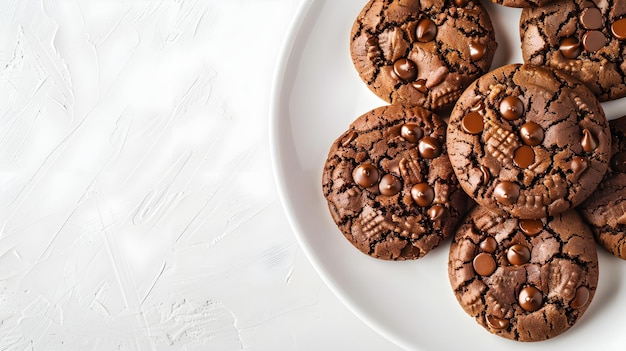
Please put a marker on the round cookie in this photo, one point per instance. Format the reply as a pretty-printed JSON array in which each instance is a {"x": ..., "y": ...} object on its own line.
[
  {"x": 529, "y": 141},
  {"x": 526, "y": 280},
  {"x": 605, "y": 209},
  {"x": 422, "y": 52},
  {"x": 389, "y": 183},
  {"x": 585, "y": 38}
]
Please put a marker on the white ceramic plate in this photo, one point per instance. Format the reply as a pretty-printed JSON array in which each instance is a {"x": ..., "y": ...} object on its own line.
[{"x": 317, "y": 93}]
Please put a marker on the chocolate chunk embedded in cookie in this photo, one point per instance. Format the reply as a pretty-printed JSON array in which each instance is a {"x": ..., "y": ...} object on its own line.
[
  {"x": 526, "y": 280},
  {"x": 605, "y": 209},
  {"x": 422, "y": 52},
  {"x": 585, "y": 38},
  {"x": 390, "y": 186},
  {"x": 529, "y": 141}
]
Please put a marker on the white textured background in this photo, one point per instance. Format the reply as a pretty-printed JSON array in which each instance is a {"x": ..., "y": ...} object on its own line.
[{"x": 138, "y": 209}]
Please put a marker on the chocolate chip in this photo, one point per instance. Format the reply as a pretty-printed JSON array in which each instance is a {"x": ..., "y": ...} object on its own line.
[
  {"x": 486, "y": 175},
  {"x": 591, "y": 18},
  {"x": 405, "y": 69},
  {"x": 511, "y": 108},
  {"x": 497, "y": 323},
  {"x": 389, "y": 185},
  {"x": 581, "y": 298},
  {"x": 426, "y": 30},
  {"x": 506, "y": 193},
  {"x": 531, "y": 133},
  {"x": 349, "y": 138},
  {"x": 460, "y": 3},
  {"x": 530, "y": 298},
  {"x": 594, "y": 40},
  {"x": 365, "y": 175},
  {"x": 531, "y": 227},
  {"x": 578, "y": 166},
  {"x": 618, "y": 162},
  {"x": 477, "y": 51},
  {"x": 518, "y": 254},
  {"x": 588, "y": 141},
  {"x": 436, "y": 212},
  {"x": 423, "y": 194},
  {"x": 570, "y": 48},
  {"x": 524, "y": 156},
  {"x": 473, "y": 123},
  {"x": 484, "y": 264},
  {"x": 489, "y": 244},
  {"x": 429, "y": 147},
  {"x": 420, "y": 85},
  {"x": 618, "y": 29},
  {"x": 411, "y": 132}
]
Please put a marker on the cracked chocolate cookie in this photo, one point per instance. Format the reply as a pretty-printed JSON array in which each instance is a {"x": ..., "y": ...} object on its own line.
[
  {"x": 529, "y": 141},
  {"x": 526, "y": 280},
  {"x": 605, "y": 209},
  {"x": 422, "y": 52},
  {"x": 584, "y": 38},
  {"x": 389, "y": 184}
]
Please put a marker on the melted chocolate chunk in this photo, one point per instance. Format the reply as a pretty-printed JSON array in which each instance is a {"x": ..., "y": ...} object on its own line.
[
  {"x": 411, "y": 132},
  {"x": 591, "y": 18},
  {"x": 365, "y": 175},
  {"x": 389, "y": 185},
  {"x": 511, "y": 108},
  {"x": 426, "y": 30},
  {"x": 530, "y": 298},
  {"x": 531, "y": 133},
  {"x": 518, "y": 254},
  {"x": 484, "y": 264},
  {"x": 477, "y": 51},
  {"x": 429, "y": 147},
  {"x": 593, "y": 40},
  {"x": 405, "y": 69},
  {"x": 531, "y": 227},
  {"x": 489, "y": 244},
  {"x": 423, "y": 194},
  {"x": 570, "y": 48},
  {"x": 473, "y": 123},
  {"x": 506, "y": 193},
  {"x": 618, "y": 29},
  {"x": 581, "y": 298},
  {"x": 524, "y": 156}
]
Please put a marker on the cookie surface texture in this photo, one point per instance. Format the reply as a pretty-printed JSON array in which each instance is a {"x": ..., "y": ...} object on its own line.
[
  {"x": 605, "y": 209},
  {"x": 528, "y": 141},
  {"x": 525, "y": 280},
  {"x": 421, "y": 52},
  {"x": 585, "y": 38},
  {"x": 389, "y": 184}
]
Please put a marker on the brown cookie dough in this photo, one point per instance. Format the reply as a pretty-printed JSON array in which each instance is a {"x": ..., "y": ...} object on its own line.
[
  {"x": 526, "y": 280},
  {"x": 422, "y": 52},
  {"x": 605, "y": 209},
  {"x": 389, "y": 184},
  {"x": 585, "y": 38},
  {"x": 529, "y": 141}
]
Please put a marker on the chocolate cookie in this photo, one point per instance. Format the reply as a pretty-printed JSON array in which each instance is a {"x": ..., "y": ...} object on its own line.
[
  {"x": 605, "y": 209},
  {"x": 585, "y": 38},
  {"x": 529, "y": 141},
  {"x": 390, "y": 186},
  {"x": 526, "y": 280},
  {"x": 422, "y": 52}
]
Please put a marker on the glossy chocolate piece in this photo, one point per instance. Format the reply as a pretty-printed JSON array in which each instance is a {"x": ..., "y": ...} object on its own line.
[{"x": 365, "y": 175}]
